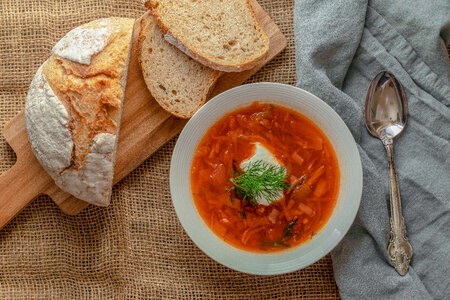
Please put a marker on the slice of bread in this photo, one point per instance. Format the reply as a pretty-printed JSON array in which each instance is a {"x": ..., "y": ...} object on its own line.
[
  {"x": 177, "y": 82},
  {"x": 222, "y": 34}
]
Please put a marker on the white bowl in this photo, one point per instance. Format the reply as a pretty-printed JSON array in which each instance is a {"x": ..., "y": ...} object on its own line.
[{"x": 350, "y": 180}]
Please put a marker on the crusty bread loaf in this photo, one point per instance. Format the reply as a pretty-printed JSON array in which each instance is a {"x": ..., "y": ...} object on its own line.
[
  {"x": 224, "y": 35},
  {"x": 177, "y": 82},
  {"x": 74, "y": 104}
]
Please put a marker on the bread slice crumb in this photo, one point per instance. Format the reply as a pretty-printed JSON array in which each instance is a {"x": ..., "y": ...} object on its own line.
[{"x": 177, "y": 82}]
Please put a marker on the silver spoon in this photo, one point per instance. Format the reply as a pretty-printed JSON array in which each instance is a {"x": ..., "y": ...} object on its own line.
[{"x": 386, "y": 113}]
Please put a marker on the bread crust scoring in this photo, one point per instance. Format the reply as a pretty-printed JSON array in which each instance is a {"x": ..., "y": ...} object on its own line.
[
  {"x": 47, "y": 123},
  {"x": 58, "y": 112}
]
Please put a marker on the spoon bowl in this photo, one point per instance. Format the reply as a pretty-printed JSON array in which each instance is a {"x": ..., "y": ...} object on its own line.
[{"x": 386, "y": 109}]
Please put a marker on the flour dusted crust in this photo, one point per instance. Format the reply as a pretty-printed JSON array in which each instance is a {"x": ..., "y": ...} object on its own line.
[
  {"x": 74, "y": 106},
  {"x": 81, "y": 43},
  {"x": 94, "y": 180},
  {"x": 47, "y": 124}
]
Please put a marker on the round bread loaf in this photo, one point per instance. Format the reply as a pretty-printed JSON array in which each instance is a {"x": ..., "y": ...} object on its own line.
[{"x": 74, "y": 105}]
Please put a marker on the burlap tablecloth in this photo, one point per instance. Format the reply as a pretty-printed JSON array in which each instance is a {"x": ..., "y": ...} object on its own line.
[{"x": 135, "y": 248}]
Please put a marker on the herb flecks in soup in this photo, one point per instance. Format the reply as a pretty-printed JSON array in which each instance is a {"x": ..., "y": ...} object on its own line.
[{"x": 265, "y": 178}]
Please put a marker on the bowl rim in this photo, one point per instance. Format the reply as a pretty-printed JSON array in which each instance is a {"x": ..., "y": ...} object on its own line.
[{"x": 271, "y": 263}]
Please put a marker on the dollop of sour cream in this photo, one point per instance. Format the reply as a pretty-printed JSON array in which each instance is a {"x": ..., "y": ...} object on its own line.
[{"x": 262, "y": 154}]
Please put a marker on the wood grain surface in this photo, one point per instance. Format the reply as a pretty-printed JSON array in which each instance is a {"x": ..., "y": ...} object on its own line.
[{"x": 144, "y": 129}]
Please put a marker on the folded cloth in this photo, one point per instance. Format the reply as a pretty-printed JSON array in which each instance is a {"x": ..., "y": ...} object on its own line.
[{"x": 340, "y": 47}]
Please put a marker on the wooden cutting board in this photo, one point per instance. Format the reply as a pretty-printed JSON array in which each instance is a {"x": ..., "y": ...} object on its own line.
[{"x": 144, "y": 129}]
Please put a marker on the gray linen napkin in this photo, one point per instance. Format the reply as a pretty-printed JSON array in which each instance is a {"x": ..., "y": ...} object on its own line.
[{"x": 340, "y": 47}]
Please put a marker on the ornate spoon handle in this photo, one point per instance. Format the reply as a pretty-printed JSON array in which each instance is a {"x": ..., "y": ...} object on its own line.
[{"x": 399, "y": 249}]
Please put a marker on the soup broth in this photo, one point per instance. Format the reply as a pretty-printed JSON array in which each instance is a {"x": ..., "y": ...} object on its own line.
[{"x": 304, "y": 159}]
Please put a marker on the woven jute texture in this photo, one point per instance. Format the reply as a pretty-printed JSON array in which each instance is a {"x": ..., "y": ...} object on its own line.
[{"x": 135, "y": 248}]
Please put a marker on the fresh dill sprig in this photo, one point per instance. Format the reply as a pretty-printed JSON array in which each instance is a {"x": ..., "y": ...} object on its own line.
[{"x": 260, "y": 180}]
